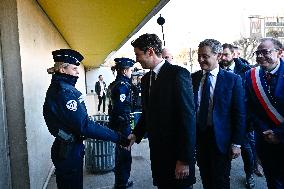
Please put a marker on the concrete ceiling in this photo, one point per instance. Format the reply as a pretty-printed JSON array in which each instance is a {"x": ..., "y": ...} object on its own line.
[{"x": 96, "y": 28}]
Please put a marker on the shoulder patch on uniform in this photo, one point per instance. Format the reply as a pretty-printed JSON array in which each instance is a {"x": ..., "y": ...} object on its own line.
[
  {"x": 122, "y": 97},
  {"x": 72, "y": 105}
]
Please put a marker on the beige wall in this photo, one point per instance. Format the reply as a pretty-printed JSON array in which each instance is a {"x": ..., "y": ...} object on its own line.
[{"x": 38, "y": 38}]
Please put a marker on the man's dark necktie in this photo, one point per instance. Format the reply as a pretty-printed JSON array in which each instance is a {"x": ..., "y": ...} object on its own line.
[
  {"x": 271, "y": 81},
  {"x": 268, "y": 76},
  {"x": 204, "y": 102},
  {"x": 152, "y": 81}
]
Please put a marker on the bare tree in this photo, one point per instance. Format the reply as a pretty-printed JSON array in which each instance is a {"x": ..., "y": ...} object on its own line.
[
  {"x": 247, "y": 46},
  {"x": 183, "y": 56}
]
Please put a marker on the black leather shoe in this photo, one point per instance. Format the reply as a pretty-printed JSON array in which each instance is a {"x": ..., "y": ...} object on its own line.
[
  {"x": 128, "y": 185},
  {"x": 250, "y": 183},
  {"x": 190, "y": 187},
  {"x": 258, "y": 171}
]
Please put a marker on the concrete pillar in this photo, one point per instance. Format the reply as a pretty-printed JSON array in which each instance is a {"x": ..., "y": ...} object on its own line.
[
  {"x": 5, "y": 181},
  {"x": 13, "y": 106}
]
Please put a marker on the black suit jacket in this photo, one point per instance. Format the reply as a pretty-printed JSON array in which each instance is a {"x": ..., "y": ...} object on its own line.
[
  {"x": 229, "y": 112},
  {"x": 240, "y": 67},
  {"x": 98, "y": 87},
  {"x": 169, "y": 119}
]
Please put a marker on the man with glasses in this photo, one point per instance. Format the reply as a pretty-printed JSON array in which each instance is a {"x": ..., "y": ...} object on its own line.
[{"x": 265, "y": 98}]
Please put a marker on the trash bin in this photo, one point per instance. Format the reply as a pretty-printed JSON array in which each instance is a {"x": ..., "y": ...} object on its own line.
[{"x": 100, "y": 155}]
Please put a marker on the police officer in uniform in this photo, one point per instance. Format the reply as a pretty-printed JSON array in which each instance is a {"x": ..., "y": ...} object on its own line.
[
  {"x": 121, "y": 107},
  {"x": 66, "y": 117}
]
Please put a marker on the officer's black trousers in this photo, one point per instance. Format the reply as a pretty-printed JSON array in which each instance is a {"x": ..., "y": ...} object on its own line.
[
  {"x": 122, "y": 170},
  {"x": 70, "y": 180},
  {"x": 69, "y": 170}
]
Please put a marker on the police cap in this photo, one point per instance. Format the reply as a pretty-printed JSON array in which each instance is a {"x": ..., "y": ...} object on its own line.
[
  {"x": 124, "y": 62},
  {"x": 68, "y": 56}
]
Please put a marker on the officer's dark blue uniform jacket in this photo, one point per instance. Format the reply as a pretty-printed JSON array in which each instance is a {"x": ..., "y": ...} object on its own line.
[
  {"x": 121, "y": 104},
  {"x": 65, "y": 112},
  {"x": 64, "y": 108},
  {"x": 120, "y": 121}
]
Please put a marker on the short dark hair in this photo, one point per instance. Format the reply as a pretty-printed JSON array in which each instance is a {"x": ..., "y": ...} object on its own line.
[
  {"x": 236, "y": 47},
  {"x": 100, "y": 76},
  {"x": 146, "y": 41},
  {"x": 229, "y": 46}
]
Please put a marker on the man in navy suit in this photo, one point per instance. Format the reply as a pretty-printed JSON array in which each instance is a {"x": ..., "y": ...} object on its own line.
[
  {"x": 235, "y": 65},
  {"x": 265, "y": 97},
  {"x": 168, "y": 116},
  {"x": 237, "y": 55},
  {"x": 229, "y": 63},
  {"x": 220, "y": 110}
]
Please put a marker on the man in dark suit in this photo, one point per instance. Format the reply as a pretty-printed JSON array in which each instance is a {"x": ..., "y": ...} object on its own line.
[
  {"x": 168, "y": 116},
  {"x": 100, "y": 88},
  {"x": 235, "y": 65},
  {"x": 237, "y": 55},
  {"x": 220, "y": 108},
  {"x": 229, "y": 63},
  {"x": 265, "y": 97}
]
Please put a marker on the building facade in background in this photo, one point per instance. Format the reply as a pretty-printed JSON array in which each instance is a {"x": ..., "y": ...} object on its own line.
[{"x": 267, "y": 26}]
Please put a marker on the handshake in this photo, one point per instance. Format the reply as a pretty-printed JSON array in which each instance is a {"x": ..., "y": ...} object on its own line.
[{"x": 126, "y": 142}]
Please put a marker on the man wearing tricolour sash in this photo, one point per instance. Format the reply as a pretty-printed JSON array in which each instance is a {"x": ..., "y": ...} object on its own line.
[{"x": 265, "y": 99}]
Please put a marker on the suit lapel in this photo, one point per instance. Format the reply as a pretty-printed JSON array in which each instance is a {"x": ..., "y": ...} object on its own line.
[
  {"x": 237, "y": 68},
  {"x": 162, "y": 72},
  {"x": 160, "y": 77},
  {"x": 218, "y": 87},
  {"x": 196, "y": 83},
  {"x": 280, "y": 83},
  {"x": 145, "y": 88}
]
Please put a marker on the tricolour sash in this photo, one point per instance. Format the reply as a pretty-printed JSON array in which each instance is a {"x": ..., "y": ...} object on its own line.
[{"x": 270, "y": 110}]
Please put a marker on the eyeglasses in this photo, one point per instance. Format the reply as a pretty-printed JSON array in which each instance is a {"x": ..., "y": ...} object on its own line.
[{"x": 264, "y": 52}]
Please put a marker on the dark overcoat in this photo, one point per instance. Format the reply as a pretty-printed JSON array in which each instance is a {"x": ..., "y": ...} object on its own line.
[{"x": 168, "y": 118}]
